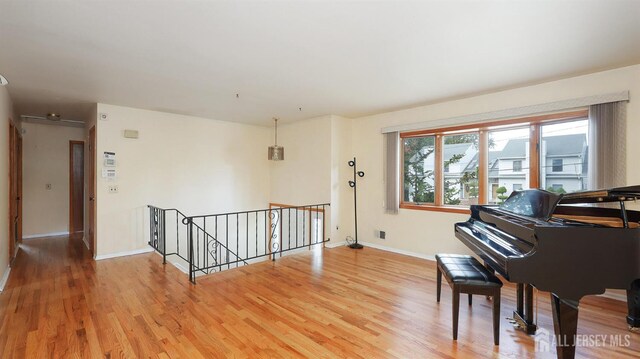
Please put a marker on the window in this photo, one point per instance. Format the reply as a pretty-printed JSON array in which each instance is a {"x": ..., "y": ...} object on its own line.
[
  {"x": 449, "y": 169},
  {"x": 460, "y": 155},
  {"x": 504, "y": 145},
  {"x": 557, "y": 165},
  {"x": 419, "y": 169},
  {"x": 564, "y": 156},
  {"x": 517, "y": 166}
]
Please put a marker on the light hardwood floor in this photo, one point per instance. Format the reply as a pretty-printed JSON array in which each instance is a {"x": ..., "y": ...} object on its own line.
[{"x": 319, "y": 304}]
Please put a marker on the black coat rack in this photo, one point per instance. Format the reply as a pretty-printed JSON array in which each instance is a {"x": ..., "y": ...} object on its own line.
[{"x": 353, "y": 184}]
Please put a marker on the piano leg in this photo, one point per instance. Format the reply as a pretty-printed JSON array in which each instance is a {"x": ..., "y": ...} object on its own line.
[
  {"x": 565, "y": 324},
  {"x": 633, "y": 304},
  {"x": 524, "y": 308},
  {"x": 520, "y": 298},
  {"x": 528, "y": 302}
]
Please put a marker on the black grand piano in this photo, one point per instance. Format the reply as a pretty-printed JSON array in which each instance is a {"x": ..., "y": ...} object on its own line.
[{"x": 563, "y": 244}]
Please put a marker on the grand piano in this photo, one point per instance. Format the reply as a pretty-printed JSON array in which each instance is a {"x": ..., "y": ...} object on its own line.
[{"x": 570, "y": 245}]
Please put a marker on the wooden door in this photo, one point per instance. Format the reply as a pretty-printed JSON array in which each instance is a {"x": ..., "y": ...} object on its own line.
[
  {"x": 18, "y": 237},
  {"x": 13, "y": 192},
  {"x": 91, "y": 189},
  {"x": 76, "y": 187},
  {"x": 15, "y": 189}
]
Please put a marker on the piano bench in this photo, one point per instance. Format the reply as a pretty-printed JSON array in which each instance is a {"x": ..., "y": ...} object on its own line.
[{"x": 466, "y": 275}]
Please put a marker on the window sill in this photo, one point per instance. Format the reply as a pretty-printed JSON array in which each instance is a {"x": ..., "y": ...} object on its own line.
[{"x": 431, "y": 207}]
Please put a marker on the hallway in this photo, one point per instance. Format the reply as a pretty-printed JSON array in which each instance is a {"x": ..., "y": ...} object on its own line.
[{"x": 326, "y": 303}]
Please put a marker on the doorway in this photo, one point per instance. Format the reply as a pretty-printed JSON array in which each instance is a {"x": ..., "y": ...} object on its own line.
[{"x": 76, "y": 187}]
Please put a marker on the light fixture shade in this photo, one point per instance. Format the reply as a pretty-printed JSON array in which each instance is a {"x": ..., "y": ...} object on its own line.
[{"x": 276, "y": 153}]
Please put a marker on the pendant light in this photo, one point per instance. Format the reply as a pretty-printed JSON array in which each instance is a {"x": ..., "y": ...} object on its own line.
[{"x": 276, "y": 153}]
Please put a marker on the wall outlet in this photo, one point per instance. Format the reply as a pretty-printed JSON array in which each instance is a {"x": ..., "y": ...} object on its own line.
[
  {"x": 113, "y": 188},
  {"x": 381, "y": 234}
]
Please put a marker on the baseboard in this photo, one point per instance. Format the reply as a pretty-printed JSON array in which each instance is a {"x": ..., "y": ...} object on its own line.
[
  {"x": 180, "y": 267},
  {"x": 86, "y": 243},
  {"x": 123, "y": 254},
  {"x": 5, "y": 278},
  {"x": 332, "y": 244},
  {"x": 52, "y": 234},
  {"x": 616, "y": 296},
  {"x": 430, "y": 257},
  {"x": 388, "y": 249}
]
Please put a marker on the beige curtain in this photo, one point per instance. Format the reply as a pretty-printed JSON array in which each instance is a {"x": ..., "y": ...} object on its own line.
[
  {"x": 392, "y": 173},
  {"x": 607, "y": 145}
]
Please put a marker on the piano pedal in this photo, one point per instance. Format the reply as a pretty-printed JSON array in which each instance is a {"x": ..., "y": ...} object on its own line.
[{"x": 634, "y": 329}]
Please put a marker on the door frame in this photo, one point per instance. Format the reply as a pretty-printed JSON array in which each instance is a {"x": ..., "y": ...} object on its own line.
[
  {"x": 15, "y": 189},
  {"x": 90, "y": 231},
  {"x": 72, "y": 229}
]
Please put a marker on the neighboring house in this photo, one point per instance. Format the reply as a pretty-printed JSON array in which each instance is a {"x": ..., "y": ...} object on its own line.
[
  {"x": 565, "y": 167},
  {"x": 509, "y": 168},
  {"x": 564, "y": 158}
]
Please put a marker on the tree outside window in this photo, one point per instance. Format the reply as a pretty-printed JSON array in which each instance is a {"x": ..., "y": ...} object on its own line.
[{"x": 419, "y": 162}]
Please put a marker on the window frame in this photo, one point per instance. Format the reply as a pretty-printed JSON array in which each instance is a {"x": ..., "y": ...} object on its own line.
[{"x": 483, "y": 128}]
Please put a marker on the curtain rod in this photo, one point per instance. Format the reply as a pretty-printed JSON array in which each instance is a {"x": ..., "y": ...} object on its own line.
[{"x": 512, "y": 112}]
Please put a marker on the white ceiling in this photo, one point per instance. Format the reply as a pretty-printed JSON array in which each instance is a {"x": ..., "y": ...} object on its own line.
[{"x": 344, "y": 58}]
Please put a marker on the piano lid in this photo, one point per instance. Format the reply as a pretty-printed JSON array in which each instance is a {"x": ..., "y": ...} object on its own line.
[
  {"x": 629, "y": 193},
  {"x": 535, "y": 203}
]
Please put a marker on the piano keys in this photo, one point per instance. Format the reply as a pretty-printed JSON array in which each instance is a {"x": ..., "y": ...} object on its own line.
[{"x": 562, "y": 244}]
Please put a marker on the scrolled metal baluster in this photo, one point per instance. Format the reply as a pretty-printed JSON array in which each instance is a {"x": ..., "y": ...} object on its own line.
[{"x": 275, "y": 219}]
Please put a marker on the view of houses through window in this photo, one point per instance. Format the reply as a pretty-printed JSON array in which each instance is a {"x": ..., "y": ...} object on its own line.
[
  {"x": 562, "y": 156},
  {"x": 508, "y": 164}
]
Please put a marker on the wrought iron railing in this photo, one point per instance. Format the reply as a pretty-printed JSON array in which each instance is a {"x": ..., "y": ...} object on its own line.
[
  {"x": 172, "y": 242},
  {"x": 210, "y": 243}
]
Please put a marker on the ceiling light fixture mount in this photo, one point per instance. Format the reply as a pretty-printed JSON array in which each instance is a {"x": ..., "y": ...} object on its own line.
[
  {"x": 276, "y": 153},
  {"x": 3, "y": 81},
  {"x": 52, "y": 116}
]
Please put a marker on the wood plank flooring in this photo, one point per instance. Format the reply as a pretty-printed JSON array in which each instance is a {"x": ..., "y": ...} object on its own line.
[{"x": 319, "y": 304}]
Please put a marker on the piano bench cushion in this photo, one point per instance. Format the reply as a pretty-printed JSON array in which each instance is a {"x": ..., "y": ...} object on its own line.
[{"x": 466, "y": 270}]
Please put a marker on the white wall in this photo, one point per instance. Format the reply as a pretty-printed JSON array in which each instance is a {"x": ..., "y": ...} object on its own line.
[
  {"x": 6, "y": 113},
  {"x": 315, "y": 170},
  {"x": 341, "y": 194},
  {"x": 304, "y": 177},
  {"x": 198, "y": 165},
  {"x": 46, "y": 161},
  {"x": 427, "y": 233}
]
